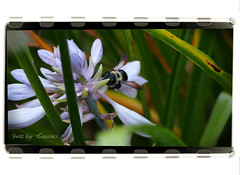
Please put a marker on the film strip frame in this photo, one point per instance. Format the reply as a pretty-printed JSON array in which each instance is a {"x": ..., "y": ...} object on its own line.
[{"x": 111, "y": 23}]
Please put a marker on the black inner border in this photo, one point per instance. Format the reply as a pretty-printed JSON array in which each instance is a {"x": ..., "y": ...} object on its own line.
[
  {"x": 122, "y": 25},
  {"x": 102, "y": 25}
]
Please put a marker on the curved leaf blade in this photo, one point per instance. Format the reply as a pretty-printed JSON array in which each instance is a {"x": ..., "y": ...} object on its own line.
[
  {"x": 70, "y": 90},
  {"x": 218, "y": 119},
  {"x": 205, "y": 62},
  {"x": 19, "y": 46},
  {"x": 160, "y": 135},
  {"x": 121, "y": 136}
]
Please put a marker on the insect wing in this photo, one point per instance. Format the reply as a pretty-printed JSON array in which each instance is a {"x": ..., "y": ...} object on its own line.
[
  {"x": 132, "y": 84},
  {"x": 122, "y": 62}
]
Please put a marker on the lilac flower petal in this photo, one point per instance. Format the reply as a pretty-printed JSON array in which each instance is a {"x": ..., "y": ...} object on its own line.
[
  {"x": 57, "y": 63},
  {"x": 88, "y": 117},
  {"x": 68, "y": 135},
  {"x": 96, "y": 51},
  {"x": 30, "y": 104},
  {"x": 138, "y": 79},
  {"x": 84, "y": 64},
  {"x": 73, "y": 49},
  {"x": 132, "y": 68},
  {"x": 24, "y": 117},
  {"x": 53, "y": 76},
  {"x": 108, "y": 116},
  {"x": 46, "y": 73},
  {"x": 97, "y": 75},
  {"x": 80, "y": 112},
  {"x": 45, "y": 55},
  {"x": 48, "y": 85},
  {"x": 20, "y": 76},
  {"x": 64, "y": 96},
  {"x": 65, "y": 116},
  {"x": 35, "y": 102},
  {"x": 58, "y": 70},
  {"x": 103, "y": 89},
  {"x": 19, "y": 92},
  {"x": 127, "y": 116},
  {"x": 78, "y": 87},
  {"x": 127, "y": 90},
  {"x": 56, "y": 52},
  {"x": 52, "y": 62},
  {"x": 78, "y": 90},
  {"x": 76, "y": 76},
  {"x": 76, "y": 63},
  {"x": 89, "y": 73},
  {"x": 85, "y": 108}
]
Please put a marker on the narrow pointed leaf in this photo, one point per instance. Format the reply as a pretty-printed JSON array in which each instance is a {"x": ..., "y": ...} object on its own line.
[
  {"x": 70, "y": 90},
  {"x": 19, "y": 46},
  {"x": 160, "y": 135},
  {"x": 121, "y": 136},
  {"x": 220, "y": 114},
  {"x": 131, "y": 57},
  {"x": 195, "y": 110},
  {"x": 198, "y": 57},
  {"x": 175, "y": 83}
]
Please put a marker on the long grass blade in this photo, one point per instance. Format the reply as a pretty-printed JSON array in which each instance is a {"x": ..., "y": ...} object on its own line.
[
  {"x": 160, "y": 135},
  {"x": 122, "y": 136},
  {"x": 198, "y": 57},
  {"x": 175, "y": 83},
  {"x": 196, "y": 100},
  {"x": 218, "y": 119},
  {"x": 148, "y": 69},
  {"x": 19, "y": 46},
  {"x": 70, "y": 90},
  {"x": 194, "y": 113},
  {"x": 129, "y": 42},
  {"x": 132, "y": 56}
]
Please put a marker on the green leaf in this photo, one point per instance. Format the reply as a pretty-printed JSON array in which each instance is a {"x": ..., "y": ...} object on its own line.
[
  {"x": 149, "y": 70},
  {"x": 19, "y": 46},
  {"x": 129, "y": 42},
  {"x": 108, "y": 41},
  {"x": 176, "y": 79},
  {"x": 94, "y": 110},
  {"x": 121, "y": 136},
  {"x": 160, "y": 135},
  {"x": 198, "y": 57},
  {"x": 220, "y": 114},
  {"x": 70, "y": 90},
  {"x": 131, "y": 57},
  {"x": 195, "y": 110}
]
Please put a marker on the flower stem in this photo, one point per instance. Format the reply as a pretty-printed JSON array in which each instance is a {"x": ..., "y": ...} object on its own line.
[
  {"x": 93, "y": 109},
  {"x": 70, "y": 90}
]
